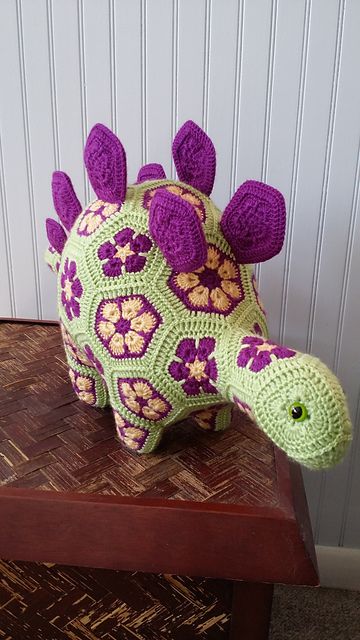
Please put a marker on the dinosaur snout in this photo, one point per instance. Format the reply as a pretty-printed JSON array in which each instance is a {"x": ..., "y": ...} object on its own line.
[{"x": 303, "y": 409}]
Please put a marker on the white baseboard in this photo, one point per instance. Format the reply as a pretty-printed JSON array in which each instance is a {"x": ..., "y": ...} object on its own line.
[{"x": 339, "y": 567}]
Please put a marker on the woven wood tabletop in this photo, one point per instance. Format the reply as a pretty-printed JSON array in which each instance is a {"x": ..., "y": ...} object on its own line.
[{"x": 50, "y": 440}]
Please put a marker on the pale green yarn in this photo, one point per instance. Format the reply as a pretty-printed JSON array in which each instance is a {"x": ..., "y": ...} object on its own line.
[
  {"x": 268, "y": 392},
  {"x": 320, "y": 440}
]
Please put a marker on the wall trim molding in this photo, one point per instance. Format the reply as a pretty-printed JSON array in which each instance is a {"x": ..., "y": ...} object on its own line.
[{"x": 339, "y": 567}]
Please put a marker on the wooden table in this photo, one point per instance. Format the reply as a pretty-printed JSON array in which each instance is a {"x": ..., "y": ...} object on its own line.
[{"x": 228, "y": 506}]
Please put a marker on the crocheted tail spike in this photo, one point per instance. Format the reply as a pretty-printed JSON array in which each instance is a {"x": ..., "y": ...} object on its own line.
[
  {"x": 105, "y": 161},
  {"x": 178, "y": 232},
  {"x": 254, "y": 222},
  {"x": 195, "y": 158},
  {"x": 56, "y": 235},
  {"x": 66, "y": 204},
  {"x": 151, "y": 171}
]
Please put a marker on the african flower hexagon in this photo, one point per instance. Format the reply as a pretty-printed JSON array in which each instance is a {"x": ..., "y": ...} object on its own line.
[
  {"x": 94, "y": 216},
  {"x": 258, "y": 353},
  {"x": 142, "y": 399},
  {"x": 215, "y": 288},
  {"x": 126, "y": 325},
  {"x": 183, "y": 193},
  {"x": 71, "y": 290},
  {"x": 125, "y": 252},
  {"x": 195, "y": 366},
  {"x": 133, "y": 437},
  {"x": 84, "y": 386}
]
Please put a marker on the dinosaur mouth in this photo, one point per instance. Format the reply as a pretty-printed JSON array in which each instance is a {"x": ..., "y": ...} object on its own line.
[{"x": 327, "y": 456}]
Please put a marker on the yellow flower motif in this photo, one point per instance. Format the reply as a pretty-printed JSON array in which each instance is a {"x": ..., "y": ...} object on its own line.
[
  {"x": 84, "y": 384},
  {"x": 197, "y": 369},
  {"x": 125, "y": 325},
  {"x": 183, "y": 193},
  {"x": 94, "y": 215},
  {"x": 146, "y": 322},
  {"x": 106, "y": 329},
  {"x": 142, "y": 399},
  {"x": 133, "y": 437},
  {"x": 214, "y": 287},
  {"x": 111, "y": 312},
  {"x": 87, "y": 396},
  {"x": 131, "y": 307},
  {"x": 117, "y": 343}
]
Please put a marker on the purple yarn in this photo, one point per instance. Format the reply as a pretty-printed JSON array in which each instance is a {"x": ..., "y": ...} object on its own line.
[
  {"x": 151, "y": 171},
  {"x": 254, "y": 221},
  {"x": 178, "y": 231},
  {"x": 257, "y": 353},
  {"x": 105, "y": 162},
  {"x": 66, "y": 204},
  {"x": 196, "y": 370},
  {"x": 56, "y": 234},
  {"x": 195, "y": 157}
]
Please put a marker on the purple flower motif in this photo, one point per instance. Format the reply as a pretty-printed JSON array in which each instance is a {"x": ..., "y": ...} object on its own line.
[
  {"x": 96, "y": 213},
  {"x": 258, "y": 353},
  {"x": 71, "y": 290},
  {"x": 90, "y": 355},
  {"x": 194, "y": 366},
  {"x": 124, "y": 252}
]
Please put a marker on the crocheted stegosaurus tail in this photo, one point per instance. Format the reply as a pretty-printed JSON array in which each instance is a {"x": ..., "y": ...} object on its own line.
[{"x": 292, "y": 396}]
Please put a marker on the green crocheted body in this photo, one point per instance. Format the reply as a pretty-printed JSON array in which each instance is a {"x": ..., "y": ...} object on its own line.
[
  {"x": 159, "y": 345},
  {"x": 162, "y": 320},
  {"x": 134, "y": 323}
]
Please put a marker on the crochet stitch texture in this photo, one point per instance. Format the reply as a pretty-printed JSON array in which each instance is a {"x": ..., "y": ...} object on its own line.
[{"x": 159, "y": 310}]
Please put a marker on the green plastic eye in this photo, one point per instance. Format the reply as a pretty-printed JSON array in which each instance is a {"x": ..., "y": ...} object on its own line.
[{"x": 298, "y": 412}]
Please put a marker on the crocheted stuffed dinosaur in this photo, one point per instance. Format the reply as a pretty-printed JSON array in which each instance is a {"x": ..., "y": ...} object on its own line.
[{"x": 159, "y": 310}]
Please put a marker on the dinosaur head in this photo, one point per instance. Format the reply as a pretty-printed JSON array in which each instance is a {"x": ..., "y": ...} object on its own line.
[{"x": 295, "y": 399}]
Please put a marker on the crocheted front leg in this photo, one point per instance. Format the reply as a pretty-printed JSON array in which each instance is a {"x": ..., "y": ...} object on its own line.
[
  {"x": 85, "y": 372},
  {"x": 216, "y": 418},
  {"x": 142, "y": 438},
  {"x": 88, "y": 384}
]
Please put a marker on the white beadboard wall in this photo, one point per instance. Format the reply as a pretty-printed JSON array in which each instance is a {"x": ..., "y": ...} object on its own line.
[{"x": 276, "y": 85}]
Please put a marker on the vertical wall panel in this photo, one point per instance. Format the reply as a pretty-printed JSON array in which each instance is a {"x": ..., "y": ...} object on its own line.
[
  {"x": 129, "y": 75},
  {"x": 71, "y": 103},
  {"x": 38, "y": 85},
  {"x": 190, "y": 63},
  {"x": 97, "y": 41},
  {"x": 285, "y": 126},
  {"x": 274, "y": 84},
  {"x": 159, "y": 61},
  {"x": 6, "y": 285},
  {"x": 17, "y": 163},
  {"x": 337, "y": 227},
  {"x": 253, "y": 85},
  {"x": 225, "y": 26}
]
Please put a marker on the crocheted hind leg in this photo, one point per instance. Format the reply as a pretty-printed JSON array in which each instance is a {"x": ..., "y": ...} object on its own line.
[
  {"x": 216, "y": 418},
  {"x": 88, "y": 384},
  {"x": 142, "y": 438},
  {"x": 85, "y": 373}
]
